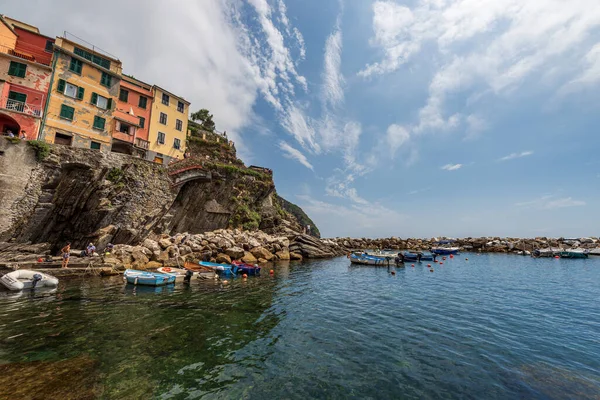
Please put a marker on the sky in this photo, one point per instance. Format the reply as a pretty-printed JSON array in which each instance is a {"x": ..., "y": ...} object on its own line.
[{"x": 406, "y": 118}]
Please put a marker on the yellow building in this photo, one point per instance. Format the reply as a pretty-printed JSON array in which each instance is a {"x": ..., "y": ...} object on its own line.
[
  {"x": 168, "y": 126},
  {"x": 82, "y": 96}
]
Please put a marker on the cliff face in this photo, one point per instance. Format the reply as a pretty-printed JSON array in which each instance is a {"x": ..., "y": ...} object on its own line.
[{"x": 84, "y": 196}]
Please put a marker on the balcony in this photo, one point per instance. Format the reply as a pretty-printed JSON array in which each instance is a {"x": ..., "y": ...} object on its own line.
[
  {"x": 142, "y": 144},
  {"x": 19, "y": 106},
  {"x": 28, "y": 57}
]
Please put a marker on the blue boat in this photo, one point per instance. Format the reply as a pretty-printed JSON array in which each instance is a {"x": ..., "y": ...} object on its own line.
[
  {"x": 221, "y": 269},
  {"x": 445, "y": 251},
  {"x": 248, "y": 269},
  {"x": 365, "y": 259},
  {"x": 148, "y": 278},
  {"x": 414, "y": 256}
]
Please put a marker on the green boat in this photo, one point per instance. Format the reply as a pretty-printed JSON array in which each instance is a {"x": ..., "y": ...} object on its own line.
[{"x": 574, "y": 253}]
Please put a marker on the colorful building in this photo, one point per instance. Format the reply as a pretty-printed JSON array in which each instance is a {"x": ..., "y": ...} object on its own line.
[
  {"x": 82, "y": 97},
  {"x": 132, "y": 117},
  {"x": 168, "y": 126},
  {"x": 25, "y": 75}
]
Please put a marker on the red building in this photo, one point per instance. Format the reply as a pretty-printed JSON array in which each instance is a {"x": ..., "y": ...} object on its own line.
[
  {"x": 25, "y": 74},
  {"x": 132, "y": 117}
]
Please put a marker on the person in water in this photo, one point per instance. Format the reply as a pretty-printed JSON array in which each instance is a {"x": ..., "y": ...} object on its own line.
[{"x": 66, "y": 253}]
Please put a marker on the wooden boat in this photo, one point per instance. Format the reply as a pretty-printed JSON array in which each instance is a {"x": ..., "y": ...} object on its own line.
[
  {"x": 148, "y": 278},
  {"x": 574, "y": 253},
  {"x": 365, "y": 259},
  {"x": 27, "y": 279},
  {"x": 178, "y": 272},
  {"x": 248, "y": 269},
  {"x": 198, "y": 268}
]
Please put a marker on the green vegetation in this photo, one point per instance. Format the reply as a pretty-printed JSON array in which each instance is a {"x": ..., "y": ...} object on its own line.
[
  {"x": 115, "y": 175},
  {"x": 42, "y": 149},
  {"x": 13, "y": 140},
  {"x": 245, "y": 218},
  {"x": 205, "y": 118},
  {"x": 300, "y": 216}
]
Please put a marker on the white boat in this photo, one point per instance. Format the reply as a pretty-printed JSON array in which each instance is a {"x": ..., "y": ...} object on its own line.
[
  {"x": 595, "y": 252},
  {"x": 27, "y": 279},
  {"x": 180, "y": 273},
  {"x": 365, "y": 259}
]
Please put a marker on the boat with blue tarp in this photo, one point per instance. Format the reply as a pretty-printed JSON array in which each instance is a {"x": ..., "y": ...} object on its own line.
[
  {"x": 221, "y": 269},
  {"x": 148, "y": 278},
  {"x": 248, "y": 269},
  {"x": 414, "y": 256},
  {"x": 366, "y": 259}
]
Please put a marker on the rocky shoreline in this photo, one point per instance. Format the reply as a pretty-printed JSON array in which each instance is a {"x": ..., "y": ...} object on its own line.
[{"x": 253, "y": 247}]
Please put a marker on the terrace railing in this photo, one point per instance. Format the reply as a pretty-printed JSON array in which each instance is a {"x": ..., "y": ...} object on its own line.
[{"x": 19, "y": 106}]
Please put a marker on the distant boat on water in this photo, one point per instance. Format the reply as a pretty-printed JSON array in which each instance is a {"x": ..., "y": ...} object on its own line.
[
  {"x": 366, "y": 259},
  {"x": 414, "y": 256},
  {"x": 574, "y": 253},
  {"x": 148, "y": 278},
  {"x": 444, "y": 251}
]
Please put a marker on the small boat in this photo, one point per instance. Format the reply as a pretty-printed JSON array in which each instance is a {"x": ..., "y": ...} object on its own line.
[
  {"x": 148, "y": 278},
  {"x": 414, "y": 256},
  {"x": 574, "y": 253},
  {"x": 365, "y": 259},
  {"x": 549, "y": 252},
  {"x": 179, "y": 273},
  {"x": 27, "y": 279},
  {"x": 595, "y": 252},
  {"x": 444, "y": 251},
  {"x": 248, "y": 269},
  {"x": 221, "y": 269}
]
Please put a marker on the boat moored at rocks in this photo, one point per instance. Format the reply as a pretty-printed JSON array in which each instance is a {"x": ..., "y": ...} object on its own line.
[
  {"x": 27, "y": 279},
  {"x": 365, "y": 259},
  {"x": 148, "y": 278}
]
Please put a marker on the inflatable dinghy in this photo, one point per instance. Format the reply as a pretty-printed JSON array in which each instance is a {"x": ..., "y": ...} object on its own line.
[{"x": 27, "y": 279}]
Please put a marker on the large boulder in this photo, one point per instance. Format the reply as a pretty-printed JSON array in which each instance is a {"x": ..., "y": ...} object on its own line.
[
  {"x": 165, "y": 243},
  {"x": 295, "y": 256},
  {"x": 248, "y": 258},
  {"x": 261, "y": 252},
  {"x": 235, "y": 252},
  {"x": 151, "y": 245},
  {"x": 139, "y": 256},
  {"x": 283, "y": 255},
  {"x": 223, "y": 259}
]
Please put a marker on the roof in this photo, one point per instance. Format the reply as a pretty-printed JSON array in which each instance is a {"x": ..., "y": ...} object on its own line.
[
  {"x": 137, "y": 82},
  {"x": 8, "y": 25},
  {"x": 22, "y": 25},
  {"x": 171, "y": 94}
]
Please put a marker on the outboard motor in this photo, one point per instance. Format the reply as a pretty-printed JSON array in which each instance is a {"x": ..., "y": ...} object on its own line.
[
  {"x": 35, "y": 280},
  {"x": 188, "y": 277}
]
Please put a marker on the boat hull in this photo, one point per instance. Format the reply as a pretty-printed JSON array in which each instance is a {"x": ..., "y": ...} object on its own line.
[
  {"x": 23, "y": 279},
  {"x": 205, "y": 266},
  {"x": 248, "y": 269},
  {"x": 573, "y": 254},
  {"x": 147, "y": 278},
  {"x": 370, "y": 260},
  {"x": 445, "y": 251}
]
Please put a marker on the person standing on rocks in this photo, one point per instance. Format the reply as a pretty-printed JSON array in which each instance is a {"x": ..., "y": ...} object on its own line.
[{"x": 66, "y": 253}]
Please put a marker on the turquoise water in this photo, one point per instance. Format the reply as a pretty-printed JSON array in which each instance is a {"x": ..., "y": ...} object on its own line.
[{"x": 492, "y": 327}]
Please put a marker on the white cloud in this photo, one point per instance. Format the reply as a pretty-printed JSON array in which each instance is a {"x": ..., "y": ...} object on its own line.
[
  {"x": 396, "y": 137},
  {"x": 357, "y": 220},
  {"x": 488, "y": 46},
  {"x": 452, "y": 167},
  {"x": 475, "y": 126},
  {"x": 512, "y": 156},
  {"x": 551, "y": 202},
  {"x": 294, "y": 154},
  {"x": 333, "y": 80}
]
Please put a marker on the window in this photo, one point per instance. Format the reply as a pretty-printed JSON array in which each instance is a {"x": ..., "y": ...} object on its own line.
[
  {"x": 49, "y": 46},
  {"x": 142, "y": 121},
  {"x": 67, "y": 112},
  {"x": 180, "y": 106},
  {"x": 179, "y": 125},
  {"x": 163, "y": 118},
  {"x": 75, "y": 65},
  {"x": 99, "y": 122},
  {"x": 95, "y": 145},
  {"x": 165, "y": 99},
  {"x": 124, "y": 128},
  {"x": 17, "y": 69},
  {"x": 143, "y": 102},
  {"x": 161, "y": 138},
  {"x": 104, "y": 63},
  {"x": 16, "y": 96},
  {"x": 70, "y": 90},
  {"x": 177, "y": 144},
  {"x": 101, "y": 101},
  {"x": 106, "y": 79},
  {"x": 123, "y": 95}
]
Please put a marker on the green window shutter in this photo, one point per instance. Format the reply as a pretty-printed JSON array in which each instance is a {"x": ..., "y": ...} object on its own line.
[
  {"x": 75, "y": 65},
  {"x": 61, "y": 85},
  {"x": 123, "y": 95},
  {"x": 143, "y": 102},
  {"x": 106, "y": 79},
  {"x": 17, "y": 69},
  {"x": 109, "y": 104},
  {"x": 67, "y": 112},
  {"x": 17, "y": 96},
  {"x": 142, "y": 121},
  {"x": 80, "y": 92},
  {"x": 94, "y": 98},
  {"x": 99, "y": 122},
  {"x": 95, "y": 146}
]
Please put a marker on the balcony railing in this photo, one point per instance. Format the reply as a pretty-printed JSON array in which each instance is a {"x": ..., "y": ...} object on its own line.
[
  {"x": 12, "y": 52},
  {"x": 142, "y": 144},
  {"x": 19, "y": 106}
]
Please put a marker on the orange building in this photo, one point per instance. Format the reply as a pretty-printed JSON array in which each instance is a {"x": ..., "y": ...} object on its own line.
[
  {"x": 132, "y": 117},
  {"x": 25, "y": 74}
]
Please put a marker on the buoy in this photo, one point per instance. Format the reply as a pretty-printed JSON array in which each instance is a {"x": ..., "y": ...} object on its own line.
[
  {"x": 271, "y": 272},
  {"x": 412, "y": 265},
  {"x": 556, "y": 257},
  {"x": 441, "y": 263},
  {"x": 244, "y": 276},
  {"x": 466, "y": 259},
  {"x": 393, "y": 272},
  {"x": 451, "y": 256},
  {"x": 435, "y": 261},
  {"x": 429, "y": 265},
  {"x": 431, "y": 270},
  {"x": 40, "y": 259},
  {"x": 443, "y": 258}
]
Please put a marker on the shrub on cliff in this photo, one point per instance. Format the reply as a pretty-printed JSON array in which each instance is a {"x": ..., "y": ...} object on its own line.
[
  {"x": 115, "y": 175},
  {"x": 42, "y": 149}
]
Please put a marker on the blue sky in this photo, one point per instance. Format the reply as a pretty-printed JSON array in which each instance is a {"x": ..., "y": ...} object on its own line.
[{"x": 384, "y": 118}]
